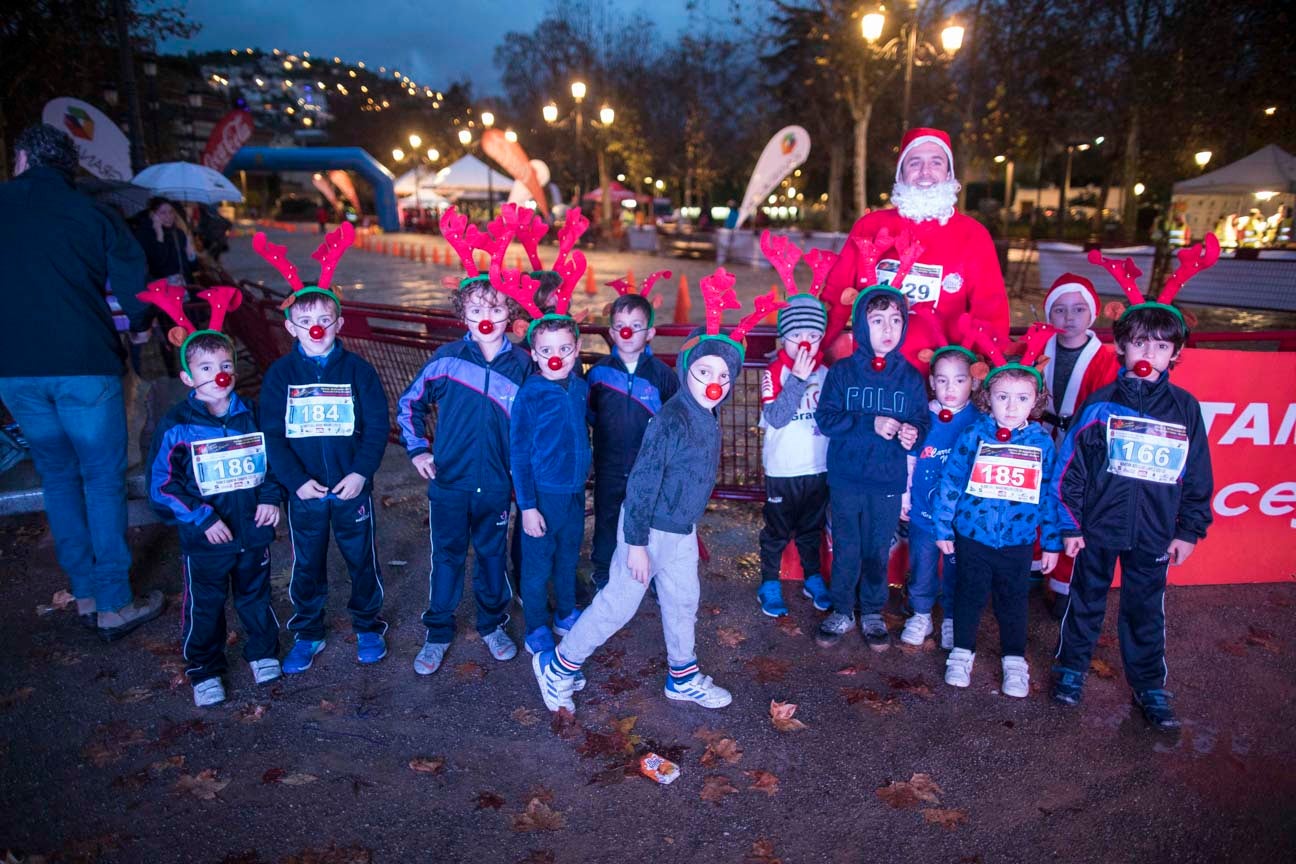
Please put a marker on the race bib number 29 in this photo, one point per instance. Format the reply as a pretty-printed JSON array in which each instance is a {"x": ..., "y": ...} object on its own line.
[
  {"x": 1144, "y": 449},
  {"x": 1007, "y": 472},
  {"x": 316, "y": 410},
  {"x": 921, "y": 285},
  {"x": 227, "y": 464}
]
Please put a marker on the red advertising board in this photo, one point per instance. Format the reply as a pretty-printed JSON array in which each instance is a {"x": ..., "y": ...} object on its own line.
[{"x": 230, "y": 134}]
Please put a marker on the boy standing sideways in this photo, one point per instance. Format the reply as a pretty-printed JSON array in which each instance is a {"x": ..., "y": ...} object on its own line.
[
  {"x": 1135, "y": 488},
  {"x": 208, "y": 476},
  {"x": 326, "y": 424},
  {"x": 874, "y": 412},
  {"x": 666, "y": 494},
  {"x": 627, "y": 389}
]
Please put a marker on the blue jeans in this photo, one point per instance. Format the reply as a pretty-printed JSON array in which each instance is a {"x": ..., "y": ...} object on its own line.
[
  {"x": 929, "y": 569},
  {"x": 863, "y": 524},
  {"x": 76, "y": 426},
  {"x": 552, "y": 557}
]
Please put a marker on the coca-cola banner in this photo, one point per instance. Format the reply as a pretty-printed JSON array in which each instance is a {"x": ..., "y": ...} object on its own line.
[{"x": 230, "y": 134}]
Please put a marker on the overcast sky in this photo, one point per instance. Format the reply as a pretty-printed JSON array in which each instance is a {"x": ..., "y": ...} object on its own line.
[{"x": 433, "y": 41}]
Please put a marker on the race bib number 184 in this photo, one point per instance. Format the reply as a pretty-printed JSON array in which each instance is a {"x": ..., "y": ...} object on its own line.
[
  {"x": 316, "y": 410},
  {"x": 1007, "y": 472},
  {"x": 1145, "y": 449},
  {"x": 227, "y": 464}
]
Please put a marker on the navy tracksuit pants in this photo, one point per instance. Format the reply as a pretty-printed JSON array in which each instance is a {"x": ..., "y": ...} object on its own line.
[
  {"x": 456, "y": 519},
  {"x": 795, "y": 509},
  {"x": 552, "y": 557},
  {"x": 209, "y": 579},
  {"x": 352, "y": 526},
  {"x": 863, "y": 524},
  {"x": 1002, "y": 574},
  {"x": 609, "y": 495},
  {"x": 1141, "y": 622}
]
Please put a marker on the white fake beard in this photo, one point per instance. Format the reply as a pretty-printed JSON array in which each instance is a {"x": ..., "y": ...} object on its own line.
[{"x": 935, "y": 202}]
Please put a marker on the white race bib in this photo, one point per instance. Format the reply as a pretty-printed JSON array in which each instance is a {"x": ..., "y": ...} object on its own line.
[
  {"x": 227, "y": 464},
  {"x": 316, "y": 410},
  {"x": 1146, "y": 449},
  {"x": 921, "y": 285},
  {"x": 1007, "y": 472}
]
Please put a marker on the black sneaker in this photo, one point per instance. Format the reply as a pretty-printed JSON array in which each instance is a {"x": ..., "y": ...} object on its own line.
[
  {"x": 121, "y": 622},
  {"x": 833, "y": 628},
  {"x": 1155, "y": 705},
  {"x": 875, "y": 632},
  {"x": 1068, "y": 686}
]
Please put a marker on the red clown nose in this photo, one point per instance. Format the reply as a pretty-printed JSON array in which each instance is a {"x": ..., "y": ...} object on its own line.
[
  {"x": 803, "y": 346},
  {"x": 1143, "y": 368},
  {"x": 555, "y": 363},
  {"x": 945, "y": 415},
  {"x": 627, "y": 332},
  {"x": 1003, "y": 434},
  {"x": 714, "y": 392},
  {"x": 879, "y": 363},
  {"x": 224, "y": 379},
  {"x": 486, "y": 326},
  {"x": 317, "y": 332}
]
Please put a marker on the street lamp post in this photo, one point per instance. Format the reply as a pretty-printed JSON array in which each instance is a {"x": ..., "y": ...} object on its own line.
[
  {"x": 488, "y": 120},
  {"x": 415, "y": 142},
  {"x": 607, "y": 115},
  {"x": 871, "y": 27}
]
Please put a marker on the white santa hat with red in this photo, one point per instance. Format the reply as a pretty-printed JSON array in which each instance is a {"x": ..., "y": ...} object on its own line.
[
  {"x": 924, "y": 135},
  {"x": 1069, "y": 283}
]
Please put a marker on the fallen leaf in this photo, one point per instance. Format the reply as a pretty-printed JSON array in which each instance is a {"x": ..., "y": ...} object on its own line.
[
  {"x": 538, "y": 816},
  {"x": 610, "y": 658},
  {"x": 488, "y": 800},
  {"x": 564, "y": 725},
  {"x": 62, "y": 599},
  {"x": 1259, "y": 637},
  {"x": 848, "y": 670},
  {"x": 767, "y": 670},
  {"x": 715, "y": 787},
  {"x": 176, "y": 761},
  {"x": 470, "y": 671},
  {"x": 908, "y": 794},
  {"x": 173, "y": 731},
  {"x": 762, "y": 852},
  {"x": 131, "y": 696},
  {"x": 722, "y": 750},
  {"x": 426, "y": 765},
  {"x": 731, "y": 637},
  {"x": 763, "y": 781},
  {"x": 788, "y": 626},
  {"x": 781, "y": 716},
  {"x": 1102, "y": 668},
  {"x": 297, "y": 779},
  {"x": 615, "y": 685},
  {"x": 109, "y": 741},
  {"x": 709, "y": 735},
  {"x": 252, "y": 713},
  {"x": 947, "y": 819},
  {"x": 22, "y": 694},
  {"x": 203, "y": 785},
  {"x": 273, "y": 775},
  {"x": 916, "y": 685},
  {"x": 526, "y": 716},
  {"x": 873, "y": 700}
]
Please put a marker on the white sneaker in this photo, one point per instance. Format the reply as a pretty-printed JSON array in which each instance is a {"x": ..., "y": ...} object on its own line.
[
  {"x": 700, "y": 689},
  {"x": 916, "y": 629},
  {"x": 947, "y": 634},
  {"x": 958, "y": 668},
  {"x": 499, "y": 644},
  {"x": 266, "y": 670},
  {"x": 1016, "y": 677},
  {"x": 208, "y": 693},
  {"x": 555, "y": 689},
  {"x": 429, "y": 657}
]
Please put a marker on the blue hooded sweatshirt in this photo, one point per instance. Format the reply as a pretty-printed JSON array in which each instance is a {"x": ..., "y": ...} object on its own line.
[
  {"x": 549, "y": 447},
  {"x": 932, "y": 456}
]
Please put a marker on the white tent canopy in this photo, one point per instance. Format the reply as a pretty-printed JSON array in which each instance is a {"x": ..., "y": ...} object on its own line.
[
  {"x": 1269, "y": 169},
  {"x": 470, "y": 179}
]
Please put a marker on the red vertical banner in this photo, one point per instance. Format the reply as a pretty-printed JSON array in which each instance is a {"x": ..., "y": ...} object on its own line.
[{"x": 227, "y": 138}]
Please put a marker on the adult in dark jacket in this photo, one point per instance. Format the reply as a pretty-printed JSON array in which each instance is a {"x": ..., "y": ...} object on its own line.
[
  {"x": 167, "y": 243},
  {"x": 61, "y": 368}
]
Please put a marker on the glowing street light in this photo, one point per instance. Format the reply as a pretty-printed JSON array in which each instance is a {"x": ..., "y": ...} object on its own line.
[
  {"x": 415, "y": 141},
  {"x": 550, "y": 113},
  {"x": 952, "y": 38},
  {"x": 1139, "y": 189},
  {"x": 578, "y": 90},
  {"x": 487, "y": 119},
  {"x": 1000, "y": 159},
  {"x": 398, "y": 154},
  {"x": 510, "y": 136},
  {"x": 433, "y": 154},
  {"x": 465, "y": 137},
  {"x": 871, "y": 25},
  {"x": 606, "y": 115},
  {"x": 1202, "y": 157}
]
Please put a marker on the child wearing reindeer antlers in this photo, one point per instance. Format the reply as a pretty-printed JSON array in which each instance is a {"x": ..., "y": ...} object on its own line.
[
  {"x": 666, "y": 494},
  {"x": 325, "y": 420},
  {"x": 992, "y": 501},
  {"x": 795, "y": 453},
  {"x": 627, "y": 389},
  {"x": 1135, "y": 487},
  {"x": 208, "y": 476},
  {"x": 473, "y": 384},
  {"x": 874, "y": 412}
]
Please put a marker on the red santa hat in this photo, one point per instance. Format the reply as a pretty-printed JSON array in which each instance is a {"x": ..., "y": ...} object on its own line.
[
  {"x": 1066, "y": 284},
  {"x": 925, "y": 135}
]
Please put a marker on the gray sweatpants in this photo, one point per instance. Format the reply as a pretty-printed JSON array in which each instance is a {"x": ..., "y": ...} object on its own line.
[{"x": 672, "y": 560}]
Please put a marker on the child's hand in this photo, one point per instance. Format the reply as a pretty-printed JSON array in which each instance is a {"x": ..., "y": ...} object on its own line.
[
  {"x": 349, "y": 486},
  {"x": 637, "y": 561},
  {"x": 908, "y": 435},
  {"x": 804, "y": 363},
  {"x": 1048, "y": 560},
  {"x": 533, "y": 523},
  {"x": 1072, "y": 545},
  {"x": 267, "y": 514},
  {"x": 1180, "y": 550},
  {"x": 887, "y": 427},
  {"x": 311, "y": 489},
  {"x": 424, "y": 465},
  {"x": 906, "y": 504},
  {"x": 945, "y": 546},
  {"x": 219, "y": 533}
]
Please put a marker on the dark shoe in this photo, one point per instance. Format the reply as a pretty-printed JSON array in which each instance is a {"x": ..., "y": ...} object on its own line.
[
  {"x": 875, "y": 632},
  {"x": 1155, "y": 705},
  {"x": 1068, "y": 686},
  {"x": 114, "y": 625},
  {"x": 833, "y": 628}
]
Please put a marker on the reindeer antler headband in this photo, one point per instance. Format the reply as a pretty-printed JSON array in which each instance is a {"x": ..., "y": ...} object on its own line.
[
  {"x": 625, "y": 287},
  {"x": 869, "y": 255},
  {"x": 1030, "y": 347},
  {"x": 170, "y": 299},
  {"x": 1192, "y": 260},
  {"x": 717, "y": 296},
  {"x": 328, "y": 255}
]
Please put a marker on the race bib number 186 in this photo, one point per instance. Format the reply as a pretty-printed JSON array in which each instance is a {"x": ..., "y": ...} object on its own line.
[
  {"x": 226, "y": 464},
  {"x": 1007, "y": 472},
  {"x": 1145, "y": 449}
]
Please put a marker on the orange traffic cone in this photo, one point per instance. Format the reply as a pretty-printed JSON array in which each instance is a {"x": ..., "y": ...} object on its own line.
[
  {"x": 772, "y": 317},
  {"x": 630, "y": 277},
  {"x": 422, "y": 254},
  {"x": 683, "y": 305},
  {"x": 591, "y": 285},
  {"x": 517, "y": 262}
]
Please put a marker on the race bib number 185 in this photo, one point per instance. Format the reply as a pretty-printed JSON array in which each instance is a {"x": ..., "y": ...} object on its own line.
[
  {"x": 1007, "y": 472},
  {"x": 1145, "y": 449},
  {"x": 227, "y": 464}
]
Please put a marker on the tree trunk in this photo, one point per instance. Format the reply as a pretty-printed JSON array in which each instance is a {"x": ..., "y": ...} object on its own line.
[
  {"x": 836, "y": 174},
  {"x": 861, "y": 157},
  {"x": 605, "y": 181},
  {"x": 1129, "y": 176}
]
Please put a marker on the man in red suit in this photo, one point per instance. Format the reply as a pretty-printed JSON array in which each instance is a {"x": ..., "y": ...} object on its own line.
[{"x": 958, "y": 269}]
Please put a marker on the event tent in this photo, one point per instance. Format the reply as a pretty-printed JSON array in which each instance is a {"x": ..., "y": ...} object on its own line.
[
  {"x": 1265, "y": 179},
  {"x": 469, "y": 179}
]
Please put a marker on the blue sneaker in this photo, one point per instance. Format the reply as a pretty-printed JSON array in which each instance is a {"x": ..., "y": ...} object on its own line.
[
  {"x": 370, "y": 647},
  {"x": 563, "y": 626},
  {"x": 1155, "y": 705},
  {"x": 770, "y": 595},
  {"x": 1068, "y": 686},
  {"x": 302, "y": 655},
  {"x": 816, "y": 590},
  {"x": 538, "y": 640}
]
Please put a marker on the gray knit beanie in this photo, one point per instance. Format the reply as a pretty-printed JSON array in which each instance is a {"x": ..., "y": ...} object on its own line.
[{"x": 803, "y": 312}]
